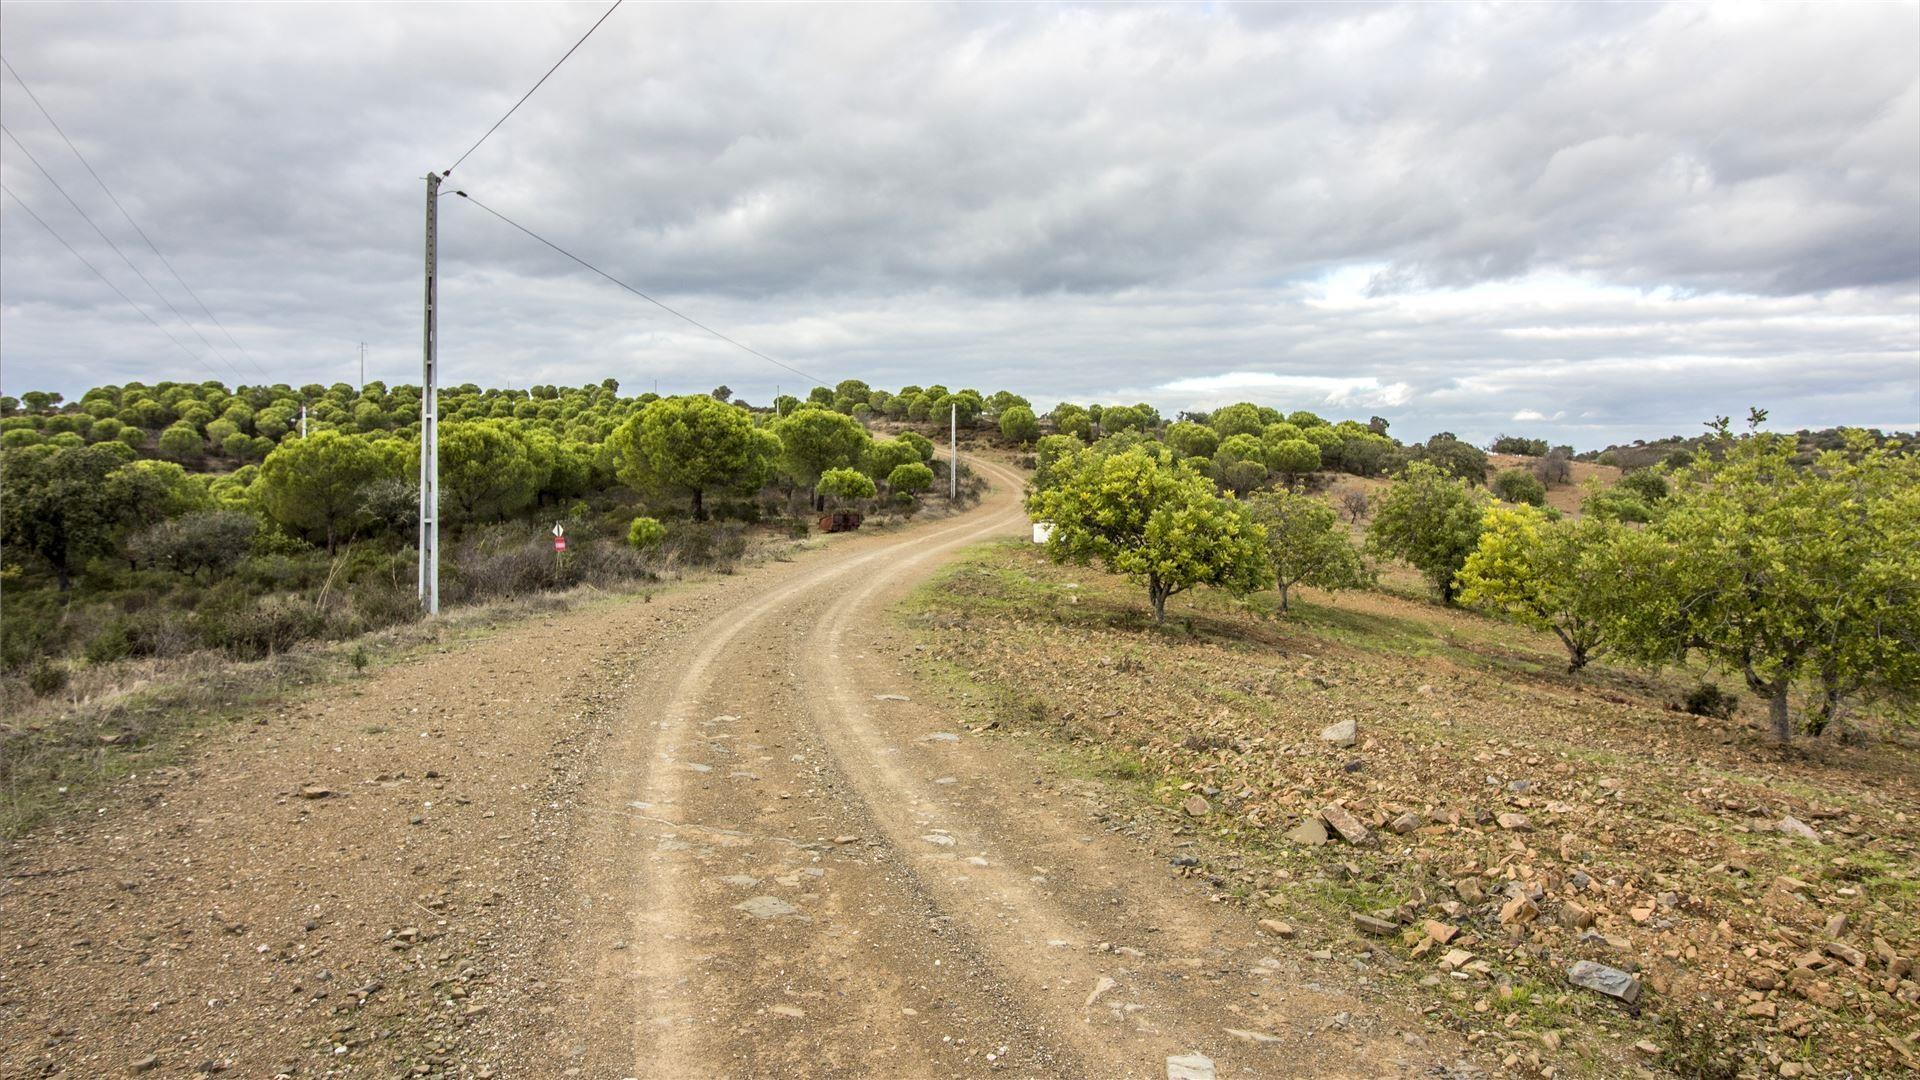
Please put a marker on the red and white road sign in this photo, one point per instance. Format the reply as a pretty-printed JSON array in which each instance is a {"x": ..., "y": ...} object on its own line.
[{"x": 559, "y": 543}]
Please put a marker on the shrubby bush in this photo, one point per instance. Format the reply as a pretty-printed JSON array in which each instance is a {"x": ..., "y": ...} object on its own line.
[{"x": 1519, "y": 486}]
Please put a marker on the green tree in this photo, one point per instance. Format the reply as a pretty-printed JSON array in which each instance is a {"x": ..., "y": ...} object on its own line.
[
  {"x": 1430, "y": 519},
  {"x": 1519, "y": 486},
  {"x": 1242, "y": 418},
  {"x": 1070, "y": 419},
  {"x": 692, "y": 445},
  {"x": 1189, "y": 439},
  {"x": 1306, "y": 544},
  {"x": 1293, "y": 459},
  {"x": 314, "y": 484},
  {"x": 911, "y": 478},
  {"x": 1785, "y": 573},
  {"x": 58, "y": 505},
  {"x": 182, "y": 443},
  {"x": 886, "y": 455},
  {"x": 486, "y": 471},
  {"x": 1550, "y": 575},
  {"x": 1156, "y": 522},
  {"x": 846, "y": 485},
  {"x": 812, "y": 441},
  {"x": 1454, "y": 457},
  {"x": 1018, "y": 424}
]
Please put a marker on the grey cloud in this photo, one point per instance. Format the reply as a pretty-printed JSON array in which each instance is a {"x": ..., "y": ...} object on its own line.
[{"x": 1069, "y": 199}]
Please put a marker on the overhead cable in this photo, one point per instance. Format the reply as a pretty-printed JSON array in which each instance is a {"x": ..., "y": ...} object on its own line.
[
  {"x": 656, "y": 303},
  {"x": 204, "y": 310},
  {"x": 96, "y": 272},
  {"x": 536, "y": 86}
]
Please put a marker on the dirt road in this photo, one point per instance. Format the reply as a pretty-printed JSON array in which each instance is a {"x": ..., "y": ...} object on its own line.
[{"x": 712, "y": 835}]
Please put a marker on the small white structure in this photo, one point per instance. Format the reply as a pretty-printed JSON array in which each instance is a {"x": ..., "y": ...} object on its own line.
[{"x": 1042, "y": 530}]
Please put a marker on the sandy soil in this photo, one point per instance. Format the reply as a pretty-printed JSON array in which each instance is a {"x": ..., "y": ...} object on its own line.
[{"x": 707, "y": 835}]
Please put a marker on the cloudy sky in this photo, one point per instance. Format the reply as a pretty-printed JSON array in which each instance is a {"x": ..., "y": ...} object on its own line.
[{"x": 1594, "y": 222}]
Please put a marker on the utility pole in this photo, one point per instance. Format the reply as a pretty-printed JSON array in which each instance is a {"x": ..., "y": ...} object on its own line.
[
  {"x": 303, "y": 419},
  {"x": 430, "y": 415},
  {"x": 953, "y": 456},
  {"x": 363, "y": 365}
]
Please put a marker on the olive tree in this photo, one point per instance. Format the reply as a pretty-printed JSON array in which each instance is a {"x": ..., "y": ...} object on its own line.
[
  {"x": 1432, "y": 521},
  {"x": 1551, "y": 575},
  {"x": 1785, "y": 573},
  {"x": 1139, "y": 514},
  {"x": 1307, "y": 545}
]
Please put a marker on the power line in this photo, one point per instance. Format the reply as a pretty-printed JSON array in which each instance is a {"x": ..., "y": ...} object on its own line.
[
  {"x": 31, "y": 96},
  {"x": 84, "y": 216},
  {"x": 536, "y": 86},
  {"x": 676, "y": 314},
  {"x": 98, "y": 274}
]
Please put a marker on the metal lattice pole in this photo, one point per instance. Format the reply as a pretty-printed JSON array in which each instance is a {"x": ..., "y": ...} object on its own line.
[{"x": 953, "y": 455}]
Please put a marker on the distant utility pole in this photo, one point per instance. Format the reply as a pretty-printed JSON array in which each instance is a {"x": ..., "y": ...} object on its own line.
[
  {"x": 303, "y": 419},
  {"x": 953, "y": 455},
  {"x": 363, "y": 365},
  {"x": 430, "y": 415}
]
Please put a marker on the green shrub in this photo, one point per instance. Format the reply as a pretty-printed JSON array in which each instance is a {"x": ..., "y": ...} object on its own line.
[
  {"x": 1650, "y": 486},
  {"x": 47, "y": 677},
  {"x": 646, "y": 533},
  {"x": 1708, "y": 699},
  {"x": 1520, "y": 486},
  {"x": 274, "y": 625}
]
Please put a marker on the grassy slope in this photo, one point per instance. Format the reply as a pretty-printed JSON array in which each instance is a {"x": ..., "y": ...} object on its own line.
[{"x": 1669, "y": 816}]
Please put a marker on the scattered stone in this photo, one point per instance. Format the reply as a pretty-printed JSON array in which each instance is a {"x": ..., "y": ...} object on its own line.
[
  {"x": 766, "y": 907},
  {"x": 315, "y": 791},
  {"x": 1405, "y": 823},
  {"x": 1793, "y": 826},
  {"x": 1342, "y": 821},
  {"x": 1197, "y": 806},
  {"x": 941, "y": 839},
  {"x": 845, "y": 840},
  {"x": 1194, "y": 1066},
  {"x": 1602, "y": 979},
  {"x": 1840, "y": 950},
  {"x": 1515, "y": 822},
  {"x": 1378, "y": 927},
  {"x": 1575, "y": 917},
  {"x": 1455, "y": 959},
  {"x": 1440, "y": 932},
  {"x": 1519, "y": 910},
  {"x": 146, "y": 1064},
  {"x": 1253, "y": 1036},
  {"x": 1100, "y": 986},
  {"x": 1343, "y": 734},
  {"x": 1309, "y": 832},
  {"x": 1277, "y": 928},
  {"x": 891, "y": 697}
]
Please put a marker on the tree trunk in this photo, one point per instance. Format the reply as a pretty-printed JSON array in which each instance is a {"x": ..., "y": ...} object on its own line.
[
  {"x": 1576, "y": 659},
  {"x": 1284, "y": 587},
  {"x": 1777, "y": 715},
  {"x": 60, "y": 571},
  {"x": 699, "y": 505},
  {"x": 1157, "y": 595}
]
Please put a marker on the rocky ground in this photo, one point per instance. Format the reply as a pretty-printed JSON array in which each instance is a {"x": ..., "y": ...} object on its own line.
[{"x": 1572, "y": 874}]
